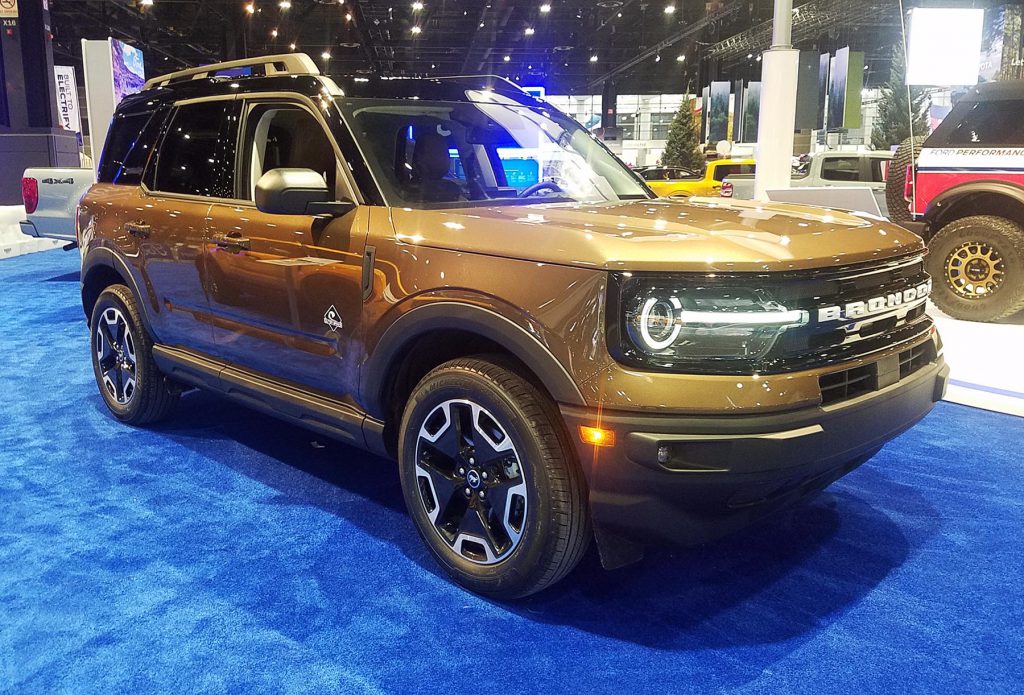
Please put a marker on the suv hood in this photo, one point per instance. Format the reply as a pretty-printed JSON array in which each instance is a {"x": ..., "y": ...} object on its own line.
[{"x": 701, "y": 234}]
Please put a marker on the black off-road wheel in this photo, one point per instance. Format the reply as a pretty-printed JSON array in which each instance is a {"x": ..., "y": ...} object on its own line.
[
  {"x": 977, "y": 268},
  {"x": 906, "y": 154},
  {"x": 132, "y": 386},
  {"x": 491, "y": 480}
]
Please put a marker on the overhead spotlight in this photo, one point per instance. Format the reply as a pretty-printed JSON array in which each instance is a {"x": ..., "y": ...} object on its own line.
[
  {"x": 250, "y": 7},
  {"x": 432, "y": 66},
  {"x": 749, "y": 56},
  {"x": 481, "y": 25},
  {"x": 146, "y": 3},
  {"x": 545, "y": 8},
  {"x": 285, "y": 4},
  {"x": 292, "y": 46},
  {"x": 273, "y": 33},
  {"x": 416, "y": 30},
  {"x": 657, "y": 58},
  {"x": 680, "y": 58},
  {"x": 417, "y": 6},
  {"x": 529, "y": 31},
  {"x": 507, "y": 58},
  {"x": 670, "y": 9},
  {"x": 759, "y": 60},
  {"x": 593, "y": 59},
  {"x": 326, "y": 55},
  {"x": 348, "y": 17}
]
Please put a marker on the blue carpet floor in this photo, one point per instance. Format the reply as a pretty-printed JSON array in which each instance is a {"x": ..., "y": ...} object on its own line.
[{"x": 225, "y": 551}]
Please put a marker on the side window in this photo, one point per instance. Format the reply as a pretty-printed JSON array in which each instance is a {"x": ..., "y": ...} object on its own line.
[
  {"x": 130, "y": 141},
  {"x": 197, "y": 154},
  {"x": 726, "y": 170},
  {"x": 285, "y": 136},
  {"x": 841, "y": 169},
  {"x": 879, "y": 169},
  {"x": 985, "y": 123}
]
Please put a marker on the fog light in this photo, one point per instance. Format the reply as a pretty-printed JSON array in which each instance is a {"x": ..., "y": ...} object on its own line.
[{"x": 596, "y": 436}]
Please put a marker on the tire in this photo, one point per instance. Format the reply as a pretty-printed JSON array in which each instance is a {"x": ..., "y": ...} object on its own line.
[
  {"x": 906, "y": 154},
  {"x": 527, "y": 469},
  {"x": 122, "y": 354},
  {"x": 992, "y": 247}
]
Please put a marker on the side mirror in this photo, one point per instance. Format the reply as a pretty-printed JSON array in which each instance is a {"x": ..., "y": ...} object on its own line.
[{"x": 291, "y": 192}]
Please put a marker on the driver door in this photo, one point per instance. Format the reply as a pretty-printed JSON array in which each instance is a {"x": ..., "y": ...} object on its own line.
[{"x": 285, "y": 290}]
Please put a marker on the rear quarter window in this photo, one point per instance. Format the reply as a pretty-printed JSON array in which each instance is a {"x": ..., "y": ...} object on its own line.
[
  {"x": 130, "y": 141},
  {"x": 982, "y": 124}
]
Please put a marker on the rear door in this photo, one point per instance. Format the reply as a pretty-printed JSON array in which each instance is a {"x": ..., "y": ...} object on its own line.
[
  {"x": 286, "y": 290},
  {"x": 190, "y": 170}
]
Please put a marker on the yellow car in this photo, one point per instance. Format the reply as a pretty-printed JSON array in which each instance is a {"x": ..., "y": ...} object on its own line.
[{"x": 707, "y": 185}]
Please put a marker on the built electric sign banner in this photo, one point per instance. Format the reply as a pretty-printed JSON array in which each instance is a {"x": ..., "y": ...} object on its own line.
[{"x": 67, "y": 98}]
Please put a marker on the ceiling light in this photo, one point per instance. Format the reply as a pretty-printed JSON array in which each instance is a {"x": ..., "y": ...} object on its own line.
[
  {"x": 292, "y": 46},
  {"x": 348, "y": 18},
  {"x": 545, "y": 8},
  {"x": 273, "y": 33},
  {"x": 507, "y": 58},
  {"x": 326, "y": 55},
  {"x": 285, "y": 4},
  {"x": 146, "y": 3},
  {"x": 481, "y": 25},
  {"x": 749, "y": 56},
  {"x": 250, "y": 8},
  {"x": 529, "y": 31},
  {"x": 416, "y": 30},
  {"x": 670, "y": 9},
  {"x": 657, "y": 58},
  {"x": 417, "y": 6},
  {"x": 680, "y": 58},
  {"x": 593, "y": 59}
]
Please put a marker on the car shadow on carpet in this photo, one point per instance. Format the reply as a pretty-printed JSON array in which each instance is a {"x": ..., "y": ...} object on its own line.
[
  {"x": 776, "y": 581},
  {"x": 75, "y": 276}
]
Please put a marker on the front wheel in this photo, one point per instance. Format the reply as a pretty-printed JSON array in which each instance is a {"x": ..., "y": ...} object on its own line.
[
  {"x": 977, "y": 268},
  {"x": 491, "y": 480}
]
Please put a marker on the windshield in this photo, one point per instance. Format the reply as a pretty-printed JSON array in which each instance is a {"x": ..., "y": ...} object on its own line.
[{"x": 433, "y": 154}]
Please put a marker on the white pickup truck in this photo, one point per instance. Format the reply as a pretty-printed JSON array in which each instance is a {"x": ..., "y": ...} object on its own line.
[
  {"x": 51, "y": 198},
  {"x": 827, "y": 169}
]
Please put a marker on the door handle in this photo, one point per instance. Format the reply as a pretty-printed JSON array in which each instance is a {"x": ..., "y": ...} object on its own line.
[
  {"x": 139, "y": 229},
  {"x": 234, "y": 240}
]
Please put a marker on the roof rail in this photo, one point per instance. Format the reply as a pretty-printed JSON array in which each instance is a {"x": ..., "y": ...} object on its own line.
[{"x": 282, "y": 64}]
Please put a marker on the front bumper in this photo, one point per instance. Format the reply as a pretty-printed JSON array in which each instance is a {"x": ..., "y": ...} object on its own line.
[{"x": 689, "y": 479}]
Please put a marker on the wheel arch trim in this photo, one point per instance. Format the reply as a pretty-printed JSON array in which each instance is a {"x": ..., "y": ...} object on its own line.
[
  {"x": 453, "y": 315},
  {"x": 101, "y": 256}
]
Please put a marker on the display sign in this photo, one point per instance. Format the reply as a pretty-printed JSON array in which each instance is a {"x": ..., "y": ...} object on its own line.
[
  {"x": 8, "y": 9},
  {"x": 751, "y": 112},
  {"x": 127, "y": 68},
  {"x": 718, "y": 112},
  {"x": 67, "y": 98},
  {"x": 846, "y": 80},
  {"x": 944, "y": 47}
]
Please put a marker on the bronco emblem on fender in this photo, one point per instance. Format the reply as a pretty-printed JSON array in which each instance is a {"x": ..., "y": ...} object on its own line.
[{"x": 333, "y": 319}]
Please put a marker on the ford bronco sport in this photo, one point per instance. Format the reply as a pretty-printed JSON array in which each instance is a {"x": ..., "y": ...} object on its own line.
[
  {"x": 451, "y": 273},
  {"x": 966, "y": 194}
]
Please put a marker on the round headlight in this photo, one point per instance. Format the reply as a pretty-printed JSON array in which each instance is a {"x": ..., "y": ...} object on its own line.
[{"x": 658, "y": 326}]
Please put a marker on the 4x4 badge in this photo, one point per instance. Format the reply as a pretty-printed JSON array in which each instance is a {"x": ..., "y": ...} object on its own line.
[{"x": 333, "y": 319}]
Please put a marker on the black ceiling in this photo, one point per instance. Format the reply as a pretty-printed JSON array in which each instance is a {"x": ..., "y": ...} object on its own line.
[{"x": 635, "y": 42}]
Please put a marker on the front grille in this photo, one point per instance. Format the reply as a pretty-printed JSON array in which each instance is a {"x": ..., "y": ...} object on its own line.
[
  {"x": 857, "y": 381},
  {"x": 823, "y": 342}
]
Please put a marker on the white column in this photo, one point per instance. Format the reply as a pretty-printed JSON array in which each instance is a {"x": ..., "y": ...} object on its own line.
[{"x": 780, "y": 68}]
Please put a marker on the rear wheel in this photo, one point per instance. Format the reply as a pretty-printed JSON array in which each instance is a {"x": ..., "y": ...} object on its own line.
[
  {"x": 977, "y": 268},
  {"x": 132, "y": 386},
  {"x": 491, "y": 480}
]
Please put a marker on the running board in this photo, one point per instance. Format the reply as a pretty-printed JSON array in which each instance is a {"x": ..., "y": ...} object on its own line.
[{"x": 296, "y": 405}]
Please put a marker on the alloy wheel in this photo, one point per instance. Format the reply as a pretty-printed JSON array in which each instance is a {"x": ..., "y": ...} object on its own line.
[
  {"x": 115, "y": 354},
  {"x": 974, "y": 270},
  {"x": 471, "y": 482}
]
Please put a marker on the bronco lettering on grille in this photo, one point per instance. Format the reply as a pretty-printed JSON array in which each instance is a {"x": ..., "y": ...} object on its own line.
[{"x": 875, "y": 305}]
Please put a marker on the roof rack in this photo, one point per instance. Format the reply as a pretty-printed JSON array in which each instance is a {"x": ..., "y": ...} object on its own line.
[{"x": 283, "y": 64}]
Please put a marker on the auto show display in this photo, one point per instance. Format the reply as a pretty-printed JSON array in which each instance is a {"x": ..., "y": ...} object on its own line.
[{"x": 548, "y": 361}]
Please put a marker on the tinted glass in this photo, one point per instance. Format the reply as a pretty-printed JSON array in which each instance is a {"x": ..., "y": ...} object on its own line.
[
  {"x": 197, "y": 157},
  {"x": 129, "y": 143},
  {"x": 485, "y": 149},
  {"x": 879, "y": 170},
  {"x": 988, "y": 123},
  {"x": 284, "y": 136},
  {"x": 725, "y": 170},
  {"x": 841, "y": 169}
]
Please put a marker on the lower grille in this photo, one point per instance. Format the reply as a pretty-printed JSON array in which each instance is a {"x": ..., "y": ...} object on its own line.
[{"x": 857, "y": 381}]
